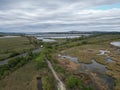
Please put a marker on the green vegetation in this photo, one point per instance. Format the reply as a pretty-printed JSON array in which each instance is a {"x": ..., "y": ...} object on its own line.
[
  {"x": 93, "y": 40},
  {"x": 71, "y": 81},
  {"x": 48, "y": 80},
  {"x": 33, "y": 41},
  {"x": 75, "y": 83},
  {"x": 36, "y": 68},
  {"x": 23, "y": 71},
  {"x": 87, "y": 49},
  {"x": 21, "y": 79},
  {"x": 40, "y": 62},
  {"x": 10, "y": 47},
  {"x": 14, "y": 64}
]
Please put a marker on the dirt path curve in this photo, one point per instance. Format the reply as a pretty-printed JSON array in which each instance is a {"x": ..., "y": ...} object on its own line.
[{"x": 61, "y": 86}]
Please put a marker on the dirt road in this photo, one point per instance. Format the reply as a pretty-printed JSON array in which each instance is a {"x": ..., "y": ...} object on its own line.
[{"x": 61, "y": 86}]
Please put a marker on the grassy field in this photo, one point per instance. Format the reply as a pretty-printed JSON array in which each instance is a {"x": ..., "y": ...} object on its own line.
[
  {"x": 88, "y": 49},
  {"x": 103, "y": 40},
  {"x": 84, "y": 49},
  {"x": 25, "y": 78},
  {"x": 21, "y": 79},
  {"x": 12, "y": 46}
]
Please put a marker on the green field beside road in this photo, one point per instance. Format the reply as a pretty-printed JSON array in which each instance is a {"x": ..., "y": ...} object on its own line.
[{"x": 10, "y": 47}]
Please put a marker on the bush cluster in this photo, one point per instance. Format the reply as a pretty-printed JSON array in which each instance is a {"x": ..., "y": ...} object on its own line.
[{"x": 15, "y": 63}]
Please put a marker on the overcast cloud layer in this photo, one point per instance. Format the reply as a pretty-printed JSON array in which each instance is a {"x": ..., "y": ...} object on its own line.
[{"x": 58, "y": 15}]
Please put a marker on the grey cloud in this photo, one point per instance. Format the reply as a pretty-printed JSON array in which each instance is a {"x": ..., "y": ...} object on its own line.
[{"x": 52, "y": 15}]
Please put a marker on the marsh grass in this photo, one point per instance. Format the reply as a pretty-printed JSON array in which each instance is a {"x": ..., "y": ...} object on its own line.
[
  {"x": 21, "y": 79},
  {"x": 86, "y": 52},
  {"x": 10, "y": 46}
]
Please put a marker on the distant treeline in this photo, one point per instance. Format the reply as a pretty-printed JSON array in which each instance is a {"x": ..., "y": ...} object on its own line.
[
  {"x": 70, "y": 32},
  {"x": 11, "y": 34},
  {"x": 76, "y": 32}
]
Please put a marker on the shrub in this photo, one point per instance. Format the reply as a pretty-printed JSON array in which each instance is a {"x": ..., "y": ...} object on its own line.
[
  {"x": 14, "y": 54},
  {"x": 84, "y": 42},
  {"x": 74, "y": 83},
  {"x": 15, "y": 63},
  {"x": 40, "y": 62}
]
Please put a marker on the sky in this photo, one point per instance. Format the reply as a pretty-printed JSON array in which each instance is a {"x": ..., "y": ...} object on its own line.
[{"x": 59, "y": 15}]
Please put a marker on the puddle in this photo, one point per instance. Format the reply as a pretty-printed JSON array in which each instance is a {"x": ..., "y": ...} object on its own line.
[
  {"x": 39, "y": 83},
  {"x": 94, "y": 67},
  {"x": 109, "y": 60},
  {"x": 74, "y": 59},
  {"x": 117, "y": 44},
  {"x": 103, "y": 52}
]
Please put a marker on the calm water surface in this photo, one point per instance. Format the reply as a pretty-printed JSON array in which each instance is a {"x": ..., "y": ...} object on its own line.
[
  {"x": 94, "y": 67},
  {"x": 115, "y": 44}
]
